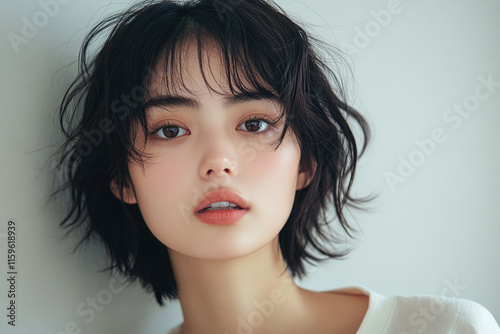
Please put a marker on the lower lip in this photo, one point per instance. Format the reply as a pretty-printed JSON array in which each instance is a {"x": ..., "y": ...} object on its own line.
[{"x": 221, "y": 217}]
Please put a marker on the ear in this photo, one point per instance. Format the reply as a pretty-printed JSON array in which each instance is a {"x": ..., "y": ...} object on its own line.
[
  {"x": 128, "y": 193},
  {"x": 306, "y": 174}
]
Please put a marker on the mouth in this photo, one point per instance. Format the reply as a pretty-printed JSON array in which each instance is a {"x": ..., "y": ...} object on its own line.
[
  {"x": 221, "y": 199},
  {"x": 221, "y": 208},
  {"x": 221, "y": 205}
]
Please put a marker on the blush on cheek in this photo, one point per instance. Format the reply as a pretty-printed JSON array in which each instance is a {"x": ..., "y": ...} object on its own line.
[
  {"x": 156, "y": 185},
  {"x": 163, "y": 182},
  {"x": 274, "y": 174},
  {"x": 284, "y": 160}
]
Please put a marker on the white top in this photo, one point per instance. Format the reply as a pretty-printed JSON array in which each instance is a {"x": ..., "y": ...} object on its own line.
[{"x": 419, "y": 314}]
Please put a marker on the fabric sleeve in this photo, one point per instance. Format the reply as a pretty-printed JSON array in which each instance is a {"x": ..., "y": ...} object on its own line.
[
  {"x": 475, "y": 318},
  {"x": 432, "y": 314}
]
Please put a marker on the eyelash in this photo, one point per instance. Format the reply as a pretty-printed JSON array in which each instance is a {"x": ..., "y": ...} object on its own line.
[{"x": 270, "y": 125}]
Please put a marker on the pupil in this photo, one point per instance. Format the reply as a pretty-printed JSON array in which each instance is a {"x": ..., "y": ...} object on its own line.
[
  {"x": 171, "y": 131},
  {"x": 254, "y": 125}
]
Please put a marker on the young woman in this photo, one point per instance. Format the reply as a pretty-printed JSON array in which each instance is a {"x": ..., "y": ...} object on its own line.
[{"x": 205, "y": 143}]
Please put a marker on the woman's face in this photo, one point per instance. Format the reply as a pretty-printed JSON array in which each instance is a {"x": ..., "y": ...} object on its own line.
[{"x": 211, "y": 142}]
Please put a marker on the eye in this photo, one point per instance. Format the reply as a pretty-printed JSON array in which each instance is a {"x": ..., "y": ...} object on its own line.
[
  {"x": 256, "y": 124},
  {"x": 169, "y": 131}
]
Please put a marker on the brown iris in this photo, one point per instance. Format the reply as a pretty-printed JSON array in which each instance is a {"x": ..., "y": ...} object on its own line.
[
  {"x": 170, "y": 131},
  {"x": 253, "y": 125}
]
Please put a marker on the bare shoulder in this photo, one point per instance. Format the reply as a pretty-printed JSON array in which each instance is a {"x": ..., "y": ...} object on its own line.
[
  {"x": 353, "y": 307},
  {"x": 339, "y": 311}
]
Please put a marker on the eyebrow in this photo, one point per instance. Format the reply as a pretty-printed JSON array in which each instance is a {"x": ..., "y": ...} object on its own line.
[{"x": 182, "y": 101}]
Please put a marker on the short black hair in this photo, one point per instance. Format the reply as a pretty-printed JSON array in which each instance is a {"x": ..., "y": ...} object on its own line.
[{"x": 263, "y": 51}]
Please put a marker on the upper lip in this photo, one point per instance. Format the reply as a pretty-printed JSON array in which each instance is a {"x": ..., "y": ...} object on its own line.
[{"x": 219, "y": 195}]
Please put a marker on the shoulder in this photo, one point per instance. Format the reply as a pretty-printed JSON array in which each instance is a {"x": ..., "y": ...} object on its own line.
[
  {"x": 423, "y": 314},
  {"x": 418, "y": 314}
]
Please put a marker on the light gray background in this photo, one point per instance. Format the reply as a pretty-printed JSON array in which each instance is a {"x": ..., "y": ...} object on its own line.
[{"x": 439, "y": 227}]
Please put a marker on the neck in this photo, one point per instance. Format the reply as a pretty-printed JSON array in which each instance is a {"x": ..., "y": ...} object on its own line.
[{"x": 250, "y": 294}]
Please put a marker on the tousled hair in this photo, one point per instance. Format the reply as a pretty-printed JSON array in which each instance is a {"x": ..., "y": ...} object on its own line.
[{"x": 262, "y": 51}]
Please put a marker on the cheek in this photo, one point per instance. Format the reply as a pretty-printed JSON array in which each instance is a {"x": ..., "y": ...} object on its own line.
[
  {"x": 157, "y": 190},
  {"x": 281, "y": 165},
  {"x": 273, "y": 175}
]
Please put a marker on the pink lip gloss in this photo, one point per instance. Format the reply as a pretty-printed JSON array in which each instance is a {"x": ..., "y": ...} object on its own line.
[{"x": 221, "y": 217}]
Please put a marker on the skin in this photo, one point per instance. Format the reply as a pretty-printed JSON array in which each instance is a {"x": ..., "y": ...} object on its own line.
[{"x": 224, "y": 272}]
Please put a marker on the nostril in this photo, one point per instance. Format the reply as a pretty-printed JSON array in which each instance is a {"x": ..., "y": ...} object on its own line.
[{"x": 226, "y": 170}]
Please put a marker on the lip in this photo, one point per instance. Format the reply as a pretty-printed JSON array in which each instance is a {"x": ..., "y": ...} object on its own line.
[
  {"x": 219, "y": 195},
  {"x": 223, "y": 216}
]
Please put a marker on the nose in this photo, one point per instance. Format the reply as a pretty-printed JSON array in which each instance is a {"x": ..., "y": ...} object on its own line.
[
  {"x": 219, "y": 160},
  {"x": 220, "y": 167}
]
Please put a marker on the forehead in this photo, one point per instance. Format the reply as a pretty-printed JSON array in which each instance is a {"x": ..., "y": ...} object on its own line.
[
  {"x": 186, "y": 77},
  {"x": 194, "y": 66}
]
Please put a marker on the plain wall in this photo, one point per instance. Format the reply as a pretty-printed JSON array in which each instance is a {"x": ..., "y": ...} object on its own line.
[{"x": 435, "y": 228}]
